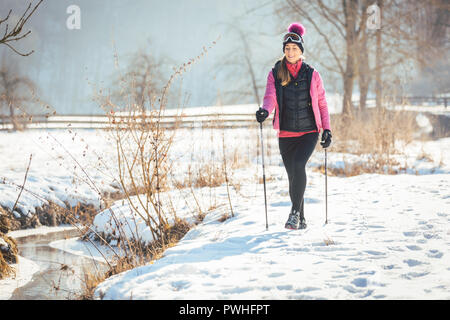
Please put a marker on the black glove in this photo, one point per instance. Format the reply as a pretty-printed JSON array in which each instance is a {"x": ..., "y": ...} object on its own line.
[
  {"x": 261, "y": 115},
  {"x": 326, "y": 138}
]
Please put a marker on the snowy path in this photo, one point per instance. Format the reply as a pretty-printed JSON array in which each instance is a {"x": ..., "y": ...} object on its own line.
[{"x": 388, "y": 237}]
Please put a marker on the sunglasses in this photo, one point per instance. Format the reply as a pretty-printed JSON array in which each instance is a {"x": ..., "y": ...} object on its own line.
[{"x": 293, "y": 36}]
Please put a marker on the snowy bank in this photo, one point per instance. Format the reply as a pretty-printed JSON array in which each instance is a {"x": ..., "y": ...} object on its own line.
[{"x": 387, "y": 238}]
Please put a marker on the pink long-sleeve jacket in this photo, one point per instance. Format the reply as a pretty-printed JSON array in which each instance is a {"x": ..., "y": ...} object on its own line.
[{"x": 319, "y": 102}]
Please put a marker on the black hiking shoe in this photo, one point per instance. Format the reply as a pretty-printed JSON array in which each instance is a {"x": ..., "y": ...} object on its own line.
[
  {"x": 302, "y": 223},
  {"x": 293, "y": 220}
]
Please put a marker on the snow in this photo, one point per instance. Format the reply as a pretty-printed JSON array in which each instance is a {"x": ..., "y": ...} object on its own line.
[
  {"x": 84, "y": 248},
  {"x": 38, "y": 231},
  {"x": 387, "y": 236},
  {"x": 134, "y": 227},
  {"x": 53, "y": 173},
  {"x": 424, "y": 123}
]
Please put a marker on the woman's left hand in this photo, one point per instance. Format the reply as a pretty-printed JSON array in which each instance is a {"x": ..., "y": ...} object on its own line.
[{"x": 326, "y": 138}]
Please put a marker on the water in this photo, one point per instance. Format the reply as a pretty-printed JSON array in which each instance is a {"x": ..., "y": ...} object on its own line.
[{"x": 61, "y": 273}]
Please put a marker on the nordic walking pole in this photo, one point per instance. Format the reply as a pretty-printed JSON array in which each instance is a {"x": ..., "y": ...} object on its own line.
[
  {"x": 326, "y": 195},
  {"x": 264, "y": 172}
]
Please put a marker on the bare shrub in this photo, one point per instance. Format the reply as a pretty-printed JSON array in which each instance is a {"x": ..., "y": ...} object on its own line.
[
  {"x": 8, "y": 255},
  {"x": 373, "y": 132}
]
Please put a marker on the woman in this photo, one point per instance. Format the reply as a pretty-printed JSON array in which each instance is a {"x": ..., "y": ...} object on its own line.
[{"x": 295, "y": 91}]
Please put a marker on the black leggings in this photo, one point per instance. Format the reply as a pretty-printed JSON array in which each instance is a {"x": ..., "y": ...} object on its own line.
[{"x": 296, "y": 152}]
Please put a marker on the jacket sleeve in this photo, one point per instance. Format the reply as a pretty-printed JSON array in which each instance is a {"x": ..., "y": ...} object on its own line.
[
  {"x": 270, "y": 97},
  {"x": 323, "y": 106}
]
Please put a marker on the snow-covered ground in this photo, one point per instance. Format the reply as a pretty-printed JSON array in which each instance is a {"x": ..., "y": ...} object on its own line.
[
  {"x": 71, "y": 165},
  {"x": 54, "y": 172},
  {"x": 387, "y": 236}
]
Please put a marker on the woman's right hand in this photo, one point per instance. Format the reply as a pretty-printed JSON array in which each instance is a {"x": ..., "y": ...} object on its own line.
[{"x": 261, "y": 115}]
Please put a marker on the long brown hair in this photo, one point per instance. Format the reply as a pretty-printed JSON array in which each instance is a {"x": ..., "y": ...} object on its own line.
[{"x": 283, "y": 72}]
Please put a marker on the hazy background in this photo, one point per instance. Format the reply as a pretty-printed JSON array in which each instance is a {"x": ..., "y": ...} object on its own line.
[
  {"x": 67, "y": 63},
  {"x": 68, "y": 66}
]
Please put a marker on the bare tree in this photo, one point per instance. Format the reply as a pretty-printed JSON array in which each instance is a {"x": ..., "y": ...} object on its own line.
[
  {"x": 15, "y": 34},
  {"x": 247, "y": 59},
  {"x": 241, "y": 69},
  {"x": 431, "y": 24},
  {"x": 362, "y": 63},
  {"x": 145, "y": 74},
  {"x": 15, "y": 91},
  {"x": 142, "y": 79},
  {"x": 396, "y": 45},
  {"x": 378, "y": 58},
  {"x": 347, "y": 20}
]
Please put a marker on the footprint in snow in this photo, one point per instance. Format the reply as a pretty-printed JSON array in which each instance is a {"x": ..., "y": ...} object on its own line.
[
  {"x": 178, "y": 285},
  {"x": 435, "y": 254},
  {"x": 414, "y": 247},
  {"x": 276, "y": 275},
  {"x": 413, "y": 262},
  {"x": 428, "y": 235},
  {"x": 410, "y": 234},
  {"x": 413, "y": 275},
  {"x": 375, "y": 253},
  {"x": 285, "y": 287},
  {"x": 307, "y": 289},
  {"x": 362, "y": 282},
  {"x": 281, "y": 204},
  {"x": 312, "y": 200},
  {"x": 389, "y": 267},
  {"x": 237, "y": 290}
]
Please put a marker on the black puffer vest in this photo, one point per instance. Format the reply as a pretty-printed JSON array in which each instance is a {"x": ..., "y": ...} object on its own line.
[{"x": 294, "y": 101}]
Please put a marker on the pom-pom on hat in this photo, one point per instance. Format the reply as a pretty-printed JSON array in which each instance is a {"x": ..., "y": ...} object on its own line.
[{"x": 297, "y": 29}]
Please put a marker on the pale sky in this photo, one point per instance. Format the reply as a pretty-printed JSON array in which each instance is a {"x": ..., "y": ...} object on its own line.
[{"x": 66, "y": 61}]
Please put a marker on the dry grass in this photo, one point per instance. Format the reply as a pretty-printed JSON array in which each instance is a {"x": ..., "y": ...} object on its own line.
[
  {"x": 354, "y": 169},
  {"x": 137, "y": 255},
  {"x": 260, "y": 179},
  {"x": 5, "y": 269},
  {"x": 8, "y": 252},
  {"x": 374, "y": 133},
  {"x": 328, "y": 241},
  {"x": 224, "y": 217},
  {"x": 8, "y": 255},
  {"x": 208, "y": 174},
  {"x": 425, "y": 156}
]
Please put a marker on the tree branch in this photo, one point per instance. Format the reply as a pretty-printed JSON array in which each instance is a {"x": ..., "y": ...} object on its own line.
[
  {"x": 13, "y": 35},
  {"x": 23, "y": 184},
  {"x": 327, "y": 41}
]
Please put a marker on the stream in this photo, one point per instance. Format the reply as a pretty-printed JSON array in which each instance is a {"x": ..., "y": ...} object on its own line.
[{"x": 61, "y": 273}]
